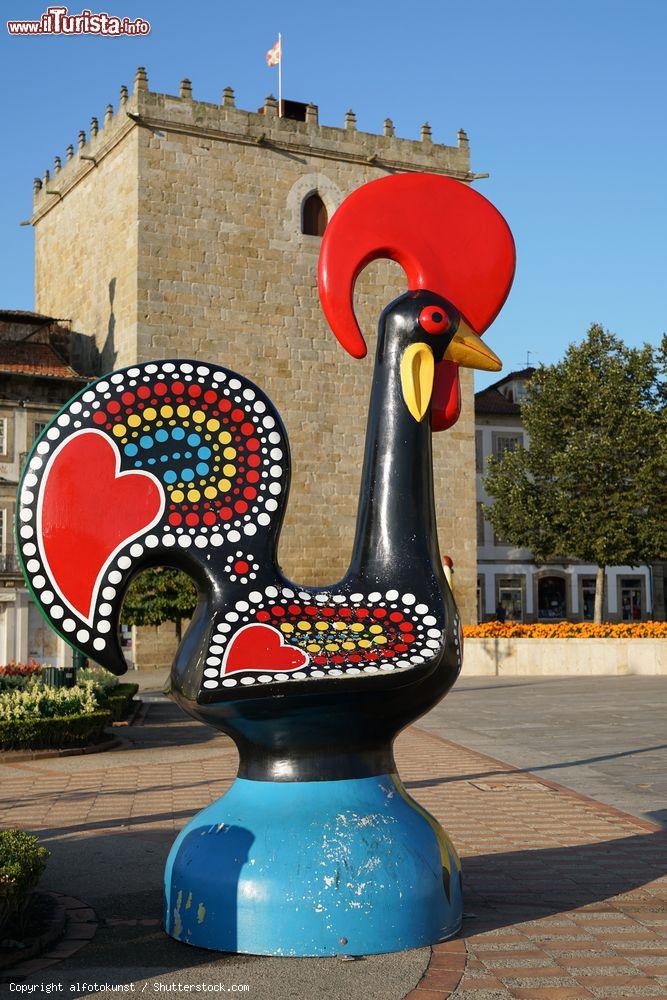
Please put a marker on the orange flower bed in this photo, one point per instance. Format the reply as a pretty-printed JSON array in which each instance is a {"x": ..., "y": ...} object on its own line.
[{"x": 567, "y": 630}]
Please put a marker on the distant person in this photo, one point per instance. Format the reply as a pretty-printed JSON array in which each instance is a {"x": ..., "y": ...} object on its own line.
[{"x": 501, "y": 614}]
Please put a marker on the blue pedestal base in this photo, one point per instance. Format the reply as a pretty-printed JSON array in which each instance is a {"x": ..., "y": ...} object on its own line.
[{"x": 313, "y": 868}]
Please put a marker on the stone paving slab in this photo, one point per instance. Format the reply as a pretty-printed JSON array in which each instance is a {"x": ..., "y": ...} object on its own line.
[
  {"x": 565, "y": 898},
  {"x": 603, "y": 736}
]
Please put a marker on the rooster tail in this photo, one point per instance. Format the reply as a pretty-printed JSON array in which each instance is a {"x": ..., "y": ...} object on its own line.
[{"x": 171, "y": 463}]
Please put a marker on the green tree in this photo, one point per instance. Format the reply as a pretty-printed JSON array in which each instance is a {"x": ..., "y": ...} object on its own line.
[
  {"x": 160, "y": 595},
  {"x": 592, "y": 483}
]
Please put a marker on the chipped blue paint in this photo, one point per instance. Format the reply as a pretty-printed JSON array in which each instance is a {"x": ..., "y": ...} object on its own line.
[{"x": 311, "y": 868}]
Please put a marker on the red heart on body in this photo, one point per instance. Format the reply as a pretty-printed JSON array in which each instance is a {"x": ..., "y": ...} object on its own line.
[
  {"x": 88, "y": 510},
  {"x": 261, "y": 647}
]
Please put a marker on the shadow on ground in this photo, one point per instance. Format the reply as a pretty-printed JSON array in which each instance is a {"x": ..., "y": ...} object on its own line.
[
  {"x": 165, "y": 726},
  {"x": 531, "y": 769}
]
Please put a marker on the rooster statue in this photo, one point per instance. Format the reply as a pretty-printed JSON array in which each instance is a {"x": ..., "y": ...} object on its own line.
[{"x": 317, "y": 849}]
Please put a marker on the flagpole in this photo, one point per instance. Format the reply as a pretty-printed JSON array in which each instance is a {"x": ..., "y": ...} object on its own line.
[{"x": 280, "y": 75}]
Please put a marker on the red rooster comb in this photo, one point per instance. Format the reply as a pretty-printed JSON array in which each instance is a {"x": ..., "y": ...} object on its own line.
[{"x": 446, "y": 237}]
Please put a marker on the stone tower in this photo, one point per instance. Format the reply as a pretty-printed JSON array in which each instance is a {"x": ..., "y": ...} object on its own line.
[{"x": 176, "y": 229}]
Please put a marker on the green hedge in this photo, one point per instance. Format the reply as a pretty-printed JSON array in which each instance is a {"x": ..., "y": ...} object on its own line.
[
  {"x": 119, "y": 700},
  {"x": 59, "y": 732},
  {"x": 22, "y": 862}
]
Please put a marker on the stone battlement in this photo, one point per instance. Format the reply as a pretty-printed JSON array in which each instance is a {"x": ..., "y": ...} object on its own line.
[{"x": 166, "y": 113}]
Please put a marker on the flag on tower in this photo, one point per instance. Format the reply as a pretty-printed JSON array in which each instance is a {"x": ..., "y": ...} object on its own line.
[{"x": 273, "y": 55}]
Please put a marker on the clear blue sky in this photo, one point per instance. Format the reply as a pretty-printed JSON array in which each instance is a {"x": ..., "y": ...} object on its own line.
[{"x": 563, "y": 102}]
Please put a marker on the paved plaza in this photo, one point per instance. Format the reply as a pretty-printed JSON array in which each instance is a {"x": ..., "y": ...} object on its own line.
[{"x": 565, "y": 896}]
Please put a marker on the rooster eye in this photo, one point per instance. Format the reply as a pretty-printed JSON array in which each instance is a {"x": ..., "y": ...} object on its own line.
[{"x": 433, "y": 319}]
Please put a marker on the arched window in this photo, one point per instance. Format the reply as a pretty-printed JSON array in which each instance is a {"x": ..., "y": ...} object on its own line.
[{"x": 314, "y": 216}]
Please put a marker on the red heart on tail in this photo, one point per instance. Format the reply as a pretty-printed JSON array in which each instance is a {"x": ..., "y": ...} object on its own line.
[
  {"x": 89, "y": 509},
  {"x": 261, "y": 647}
]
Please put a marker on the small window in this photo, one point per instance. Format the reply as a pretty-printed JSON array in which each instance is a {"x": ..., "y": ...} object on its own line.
[
  {"x": 506, "y": 442},
  {"x": 3, "y": 435},
  {"x": 37, "y": 428},
  {"x": 631, "y": 599},
  {"x": 314, "y": 216}
]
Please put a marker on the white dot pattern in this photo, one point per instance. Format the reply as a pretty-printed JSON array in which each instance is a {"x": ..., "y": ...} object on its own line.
[
  {"x": 127, "y": 408},
  {"x": 306, "y": 620}
]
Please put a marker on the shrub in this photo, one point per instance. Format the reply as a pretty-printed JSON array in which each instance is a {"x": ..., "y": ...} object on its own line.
[
  {"x": 22, "y": 862},
  {"x": 37, "y": 702},
  {"x": 56, "y": 732},
  {"x": 40, "y": 717},
  {"x": 567, "y": 630},
  {"x": 22, "y": 676},
  {"x": 18, "y": 675},
  {"x": 111, "y": 695},
  {"x": 119, "y": 701},
  {"x": 102, "y": 680}
]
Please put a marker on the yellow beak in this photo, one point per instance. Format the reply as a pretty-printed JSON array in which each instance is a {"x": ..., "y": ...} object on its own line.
[{"x": 470, "y": 351}]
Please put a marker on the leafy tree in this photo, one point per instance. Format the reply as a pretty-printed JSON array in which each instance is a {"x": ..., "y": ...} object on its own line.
[
  {"x": 592, "y": 483},
  {"x": 160, "y": 595}
]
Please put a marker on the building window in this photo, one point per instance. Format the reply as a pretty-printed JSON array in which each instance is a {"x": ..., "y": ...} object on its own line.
[
  {"x": 588, "y": 598},
  {"x": 3, "y": 435},
  {"x": 480, "y": 524},
  {"x": 37, "y": 427},
  {"x": 314, "y": 216},
  {"x": 551, "y": 603},
  {"x": 631, "y": 599},
  {"x": 509, "y": 598},
  {"x": 479, "y": 453},
  {"x": 506, "y": 442}
]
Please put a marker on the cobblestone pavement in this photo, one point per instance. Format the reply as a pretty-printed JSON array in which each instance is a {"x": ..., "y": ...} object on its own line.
[
  {"x": 603, "y": 736},
  {"x": 564, "y": 896}
]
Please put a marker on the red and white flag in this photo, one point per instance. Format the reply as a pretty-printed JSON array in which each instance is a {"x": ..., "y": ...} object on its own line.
[{"x": 273, "y": 55}]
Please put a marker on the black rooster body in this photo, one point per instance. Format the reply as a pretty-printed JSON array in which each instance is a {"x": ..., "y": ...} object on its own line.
[{"x": 383, "y": 643}]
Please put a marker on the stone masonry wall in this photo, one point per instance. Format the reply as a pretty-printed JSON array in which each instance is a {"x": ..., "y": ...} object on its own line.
[
  {"x": 86, "y": 247},
  {"x": 154, "y": 648}
]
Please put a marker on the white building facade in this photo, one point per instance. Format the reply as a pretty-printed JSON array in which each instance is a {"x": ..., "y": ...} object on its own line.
[
  {"x": 36, "y": 379},
  {"x": 508, "y": 578}
]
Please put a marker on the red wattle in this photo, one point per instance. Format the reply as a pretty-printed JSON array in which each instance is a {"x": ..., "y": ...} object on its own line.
[{"x": 446, "y": 398}]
